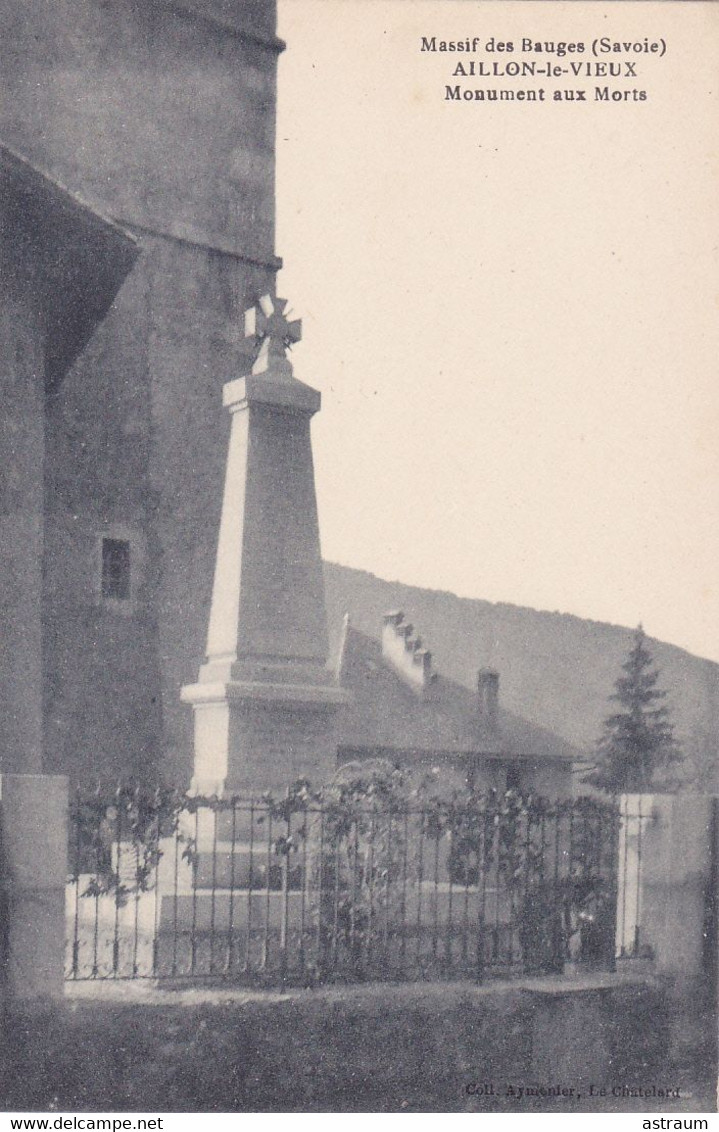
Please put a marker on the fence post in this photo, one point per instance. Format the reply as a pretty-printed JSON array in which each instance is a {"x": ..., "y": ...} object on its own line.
[
  {"x": 675, "y": 874},
  {"x": 609, "y": 946},
  {"x": 33, "y": 875}
]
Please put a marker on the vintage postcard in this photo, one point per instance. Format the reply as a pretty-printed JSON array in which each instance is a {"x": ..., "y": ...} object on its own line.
[{"x": 359, "y": 661}]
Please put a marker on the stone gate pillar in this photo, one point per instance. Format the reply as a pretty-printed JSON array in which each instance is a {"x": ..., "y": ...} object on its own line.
[{"x": 33, "y": 875}]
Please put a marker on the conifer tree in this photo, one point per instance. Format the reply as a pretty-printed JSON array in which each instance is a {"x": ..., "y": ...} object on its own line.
[{"x": 637, "y": 747}]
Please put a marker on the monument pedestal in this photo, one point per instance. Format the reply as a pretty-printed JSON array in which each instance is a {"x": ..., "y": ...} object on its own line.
[{"x": 255, "y": 737}]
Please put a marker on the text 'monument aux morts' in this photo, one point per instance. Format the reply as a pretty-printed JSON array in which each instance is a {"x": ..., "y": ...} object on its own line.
[{"x": 602, "y": 57}]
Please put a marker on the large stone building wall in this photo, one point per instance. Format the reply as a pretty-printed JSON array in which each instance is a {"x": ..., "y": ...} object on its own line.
[
  {"x": 22, "y": 347},
  {"x": 157, "y": 117},
  {"x": 161, "y": 115}
]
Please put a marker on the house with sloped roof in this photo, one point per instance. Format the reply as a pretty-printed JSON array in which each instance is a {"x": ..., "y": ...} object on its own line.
[{"x": 402, "y": 710}]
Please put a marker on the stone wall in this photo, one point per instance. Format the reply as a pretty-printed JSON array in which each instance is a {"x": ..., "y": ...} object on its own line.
[
  {"x": 22, "y": 350},
  {"x": 137, "y": 442},
  {"x": 161, "y": 115},
  {"x": 378, "y": 1048},
  {"x": 159, "y": 118}
]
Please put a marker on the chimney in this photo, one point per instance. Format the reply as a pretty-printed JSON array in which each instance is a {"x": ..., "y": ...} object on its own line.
[
  {"x": 488, "y": 697},
  {"x": 405, "y": 652}
]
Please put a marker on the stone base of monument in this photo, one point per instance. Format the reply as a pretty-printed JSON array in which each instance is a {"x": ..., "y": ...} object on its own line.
[
  {"x": 274, "y": 937},
  {"x": 220, "y": 932},
  {"x": 222, "y": 910},
  {"x": 231, "y": 867},
  {"x": 218, "y": 909},
  {"x": 250, "y": 739}
]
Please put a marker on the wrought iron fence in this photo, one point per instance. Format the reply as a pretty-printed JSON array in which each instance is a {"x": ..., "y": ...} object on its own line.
[{"x": 312, "y": 888}]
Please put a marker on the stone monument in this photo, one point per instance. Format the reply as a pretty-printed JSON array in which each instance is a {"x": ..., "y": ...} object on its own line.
[{"x": 265, "y": 702}]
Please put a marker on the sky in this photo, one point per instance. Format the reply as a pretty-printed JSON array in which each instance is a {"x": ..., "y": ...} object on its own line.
[{"x": 511, "y": 309}]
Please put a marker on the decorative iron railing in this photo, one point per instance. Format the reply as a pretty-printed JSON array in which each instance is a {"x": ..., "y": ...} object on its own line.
[{"x": 319, "y": 888}]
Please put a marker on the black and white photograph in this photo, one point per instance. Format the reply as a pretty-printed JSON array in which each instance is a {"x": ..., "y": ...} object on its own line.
[{"x": 359, "y": 513}]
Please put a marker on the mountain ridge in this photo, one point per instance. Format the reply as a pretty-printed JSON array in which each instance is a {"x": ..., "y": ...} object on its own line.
[{"x": 556, "y": 669}]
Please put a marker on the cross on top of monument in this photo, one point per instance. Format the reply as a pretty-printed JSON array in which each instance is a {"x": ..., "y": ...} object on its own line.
[{"x": 273, "y": 333}]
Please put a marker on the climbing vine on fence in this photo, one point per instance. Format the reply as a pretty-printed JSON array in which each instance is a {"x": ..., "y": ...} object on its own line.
[
  {"x": 357, "y": 845},
  {"x": 121, "y": 827}
]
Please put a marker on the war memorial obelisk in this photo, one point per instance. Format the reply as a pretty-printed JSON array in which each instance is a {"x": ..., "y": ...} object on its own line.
[{"x": 265, "y": 703}]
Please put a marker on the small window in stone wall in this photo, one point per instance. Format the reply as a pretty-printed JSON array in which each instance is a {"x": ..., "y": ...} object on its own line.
[
  {"x": 514, "y": 778},
  {"x": 116, "y": 569}
]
